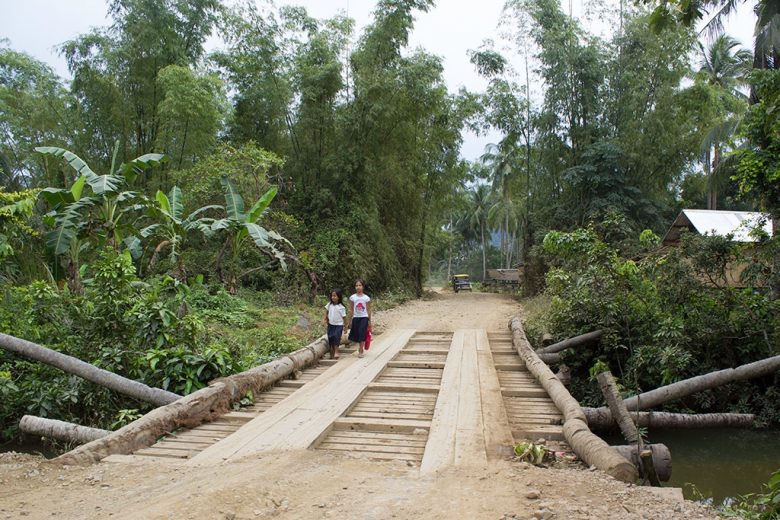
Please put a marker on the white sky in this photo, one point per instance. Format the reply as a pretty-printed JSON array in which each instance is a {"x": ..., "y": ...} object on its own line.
[{"x": 449, "y": 30}]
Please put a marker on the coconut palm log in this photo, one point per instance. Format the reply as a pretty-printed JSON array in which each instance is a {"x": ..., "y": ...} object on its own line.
[
  {"x": 89, "y": 372},
  {"x": 197, "y": 408},
  {"x": 590, "y": 448},
  {"x": 60, "y": 430}
]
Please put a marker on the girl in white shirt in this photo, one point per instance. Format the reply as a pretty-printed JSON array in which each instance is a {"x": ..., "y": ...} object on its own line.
[
  {"x": 360, "y": 313},
  {"x": 334, "y": 319}
]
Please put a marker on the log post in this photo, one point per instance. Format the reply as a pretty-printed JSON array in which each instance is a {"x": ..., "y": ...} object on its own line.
[
  {"x": 194, "y": 409},
  {"x": 576, "y": 341},
  {"x": 661, "y": 458},
  {"x": 618, "y": 408},
  {"x": 89, "y": 372},
  {"x": 60, "y": 430},
  {"x": 648, "y": 467},
  {"x": 550, "y": 359},
  {"x": 590, "y": 448},
  {"x": 601, "y": 419},
  {"x": 547, "y": 339}
]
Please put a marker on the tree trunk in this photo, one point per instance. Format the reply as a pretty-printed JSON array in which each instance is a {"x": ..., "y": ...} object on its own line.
[
  {"x": 661, "y": 457},
  {"x": 585, "y": 444},
  {"x": 62, "y": 431},
  {"x": 576, "y": 341},
  {"x": 484, "y": 261},
  {"x": 696, "y": 384},
  {"x": 618, "y": 408},
  {"x": 550, "y": 359},
  {"x": 197, "y": 408},
  {"x": 601, "y": 419},
  {"x": 89, "y": 372}
]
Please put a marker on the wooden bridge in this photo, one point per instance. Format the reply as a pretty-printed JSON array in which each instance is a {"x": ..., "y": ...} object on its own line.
[{"x": 433, "y": 399}]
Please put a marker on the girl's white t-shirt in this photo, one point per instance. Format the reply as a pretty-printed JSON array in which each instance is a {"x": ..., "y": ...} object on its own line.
[
  {"x": 359, "y": 305},
  {"x": 336, "y": 313}
]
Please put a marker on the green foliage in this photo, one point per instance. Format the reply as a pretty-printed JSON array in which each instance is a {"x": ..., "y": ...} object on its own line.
[
  {"x": 535, "y": 454},
  {"x": 758, "y": 506},
  {"x": 758, "y": 170},
  {"x": 182, "y": 371},
  {"x": 125, "y": 417},
  {"x": 671, "y": 315},
  {"x": 598, "y": 367}
]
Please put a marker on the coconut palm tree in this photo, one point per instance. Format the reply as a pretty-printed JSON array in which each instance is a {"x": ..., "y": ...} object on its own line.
[
  {"x": 724, "y": 68},
  {"x": 476, "y": 217},
  {"x": 501, "y": 160}
]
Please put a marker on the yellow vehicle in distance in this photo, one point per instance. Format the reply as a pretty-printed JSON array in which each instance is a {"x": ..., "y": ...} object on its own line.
[{"x": 461, "y": 282}]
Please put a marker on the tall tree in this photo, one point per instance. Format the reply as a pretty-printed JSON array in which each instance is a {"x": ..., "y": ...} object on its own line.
[
  {"x": 33, "y": 110},
  {"x": 115, "y": 70},
  {"x": 723, "y": 68}
]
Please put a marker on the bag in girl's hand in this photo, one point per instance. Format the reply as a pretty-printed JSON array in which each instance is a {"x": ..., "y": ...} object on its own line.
[{"x": 368, "y": 338}]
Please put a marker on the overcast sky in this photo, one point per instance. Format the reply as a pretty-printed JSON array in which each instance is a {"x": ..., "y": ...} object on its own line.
[{"x": 449, "y": 30}]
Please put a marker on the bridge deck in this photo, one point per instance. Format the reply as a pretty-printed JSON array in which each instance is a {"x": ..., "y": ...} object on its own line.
[{"x": 433, "y": 399}]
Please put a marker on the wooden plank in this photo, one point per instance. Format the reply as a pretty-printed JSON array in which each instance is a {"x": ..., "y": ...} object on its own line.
[
  {"x": 380, "y": 425},
  {"x": 385, "y": 415},
  {"x": 393, "y": 408},
  {"x": 217, "y": 428},
  {"x": 159, "y": 452},
  {"x": 310, "y": 410},
  {"x": 469, "y": 428},
  {"x": 378, "y": 436},
  {"x": 524, "y": 392},
  {"x": 291, "y": 383},
  {"x": 333, "y": 440},
  {"x": 182, "y": 444},
  {"x": 381, "y": 456},
  {"x": 511, "y": 367},
  {"x": 497, "y": 432},
  {"x": 431, "y": 389},
  {"x": 440, "y": 448},
  {"x": 373, "y": 448}
]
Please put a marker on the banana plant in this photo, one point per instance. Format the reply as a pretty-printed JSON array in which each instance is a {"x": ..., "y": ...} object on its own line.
[
  {"x": 173, "y": 225},
  {"x": 241, "y": 225},
  {"x": 71, "y": 218}
]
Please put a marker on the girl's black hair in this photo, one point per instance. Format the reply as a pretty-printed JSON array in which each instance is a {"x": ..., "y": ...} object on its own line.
[{"x": 338, "y": 294}]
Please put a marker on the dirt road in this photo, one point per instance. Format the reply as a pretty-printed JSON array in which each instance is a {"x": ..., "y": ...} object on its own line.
[{"x": 321, "y": 484}]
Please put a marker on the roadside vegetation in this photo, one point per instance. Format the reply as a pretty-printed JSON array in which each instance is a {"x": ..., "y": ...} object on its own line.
[{"x": 174, "y": 215}]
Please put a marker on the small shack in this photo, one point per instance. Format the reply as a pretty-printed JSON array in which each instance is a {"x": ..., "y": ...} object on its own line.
[
  {"x": 738, "y": 224},
  {"x": 717, "y": 223}
]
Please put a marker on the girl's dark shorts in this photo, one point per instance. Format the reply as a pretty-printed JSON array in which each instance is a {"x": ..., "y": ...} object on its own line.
[
  {"x": 358, "y": 330},
  {"x": 334, "y": 334}
]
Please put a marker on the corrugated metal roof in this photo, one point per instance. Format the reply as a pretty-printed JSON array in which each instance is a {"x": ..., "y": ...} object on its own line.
[{"x": 720, "y": 223}]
